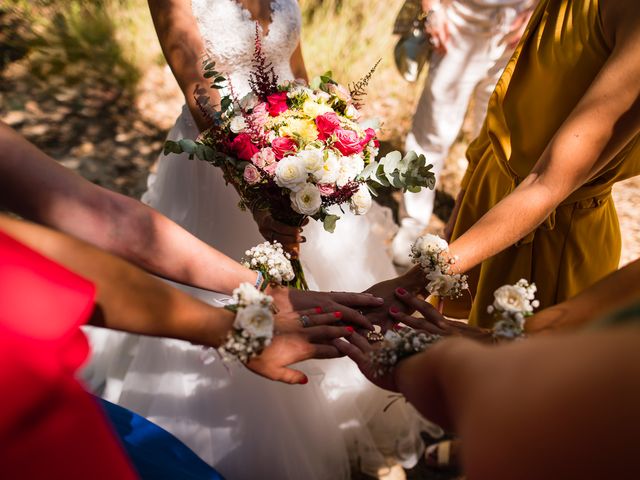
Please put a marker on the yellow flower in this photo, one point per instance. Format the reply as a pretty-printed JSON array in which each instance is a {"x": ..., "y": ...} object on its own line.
[
  {"x": 313, "y": 109},
  {"x": 302, "y": 130}
]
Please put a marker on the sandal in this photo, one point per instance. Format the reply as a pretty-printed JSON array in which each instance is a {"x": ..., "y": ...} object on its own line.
[{"x": 442, "y": 455}]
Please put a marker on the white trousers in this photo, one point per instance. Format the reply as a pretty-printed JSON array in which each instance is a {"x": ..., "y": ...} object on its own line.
[{"x": 476, "y": 56}]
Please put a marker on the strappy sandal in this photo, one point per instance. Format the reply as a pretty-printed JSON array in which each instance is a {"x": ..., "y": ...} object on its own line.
[{"x": 442, "y": 455}]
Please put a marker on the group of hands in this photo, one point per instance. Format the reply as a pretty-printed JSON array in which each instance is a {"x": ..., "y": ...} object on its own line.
[{"x": 336, "y": 324}]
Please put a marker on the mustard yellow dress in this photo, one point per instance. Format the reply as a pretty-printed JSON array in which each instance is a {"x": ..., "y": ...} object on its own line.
[{"x": 560, "y": 54}]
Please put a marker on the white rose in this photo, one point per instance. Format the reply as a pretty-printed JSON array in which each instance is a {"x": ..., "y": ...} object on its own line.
[
  {"x": 347, "y": 172},
  {"x": 238, "y": 124},
  {"x": 330, "y": 170},
  {"x": 307, "y": 200},
  {"x": 256, "y": 320},
  {"x": 313, "y": 160},
  {"x": 510, "y": 298},
  {"x": 291, "y": 173},
  {"x": 361, "y": 201},
  {"x": 249, "y": 101}
]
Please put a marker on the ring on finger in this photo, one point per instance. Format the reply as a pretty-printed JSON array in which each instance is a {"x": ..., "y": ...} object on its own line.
[{"x": 305, "y": 320}]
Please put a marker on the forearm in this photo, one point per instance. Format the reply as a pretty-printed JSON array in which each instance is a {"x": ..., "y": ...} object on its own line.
[
  {"x": 127, "y": 298},
  {"x": 297, "y": 64},
  {"x": 609, "y": 294},
  {"x": 184, "y": 50},
  {"x": 508, "y": 221},
  {"x": 39, "y": 189}
]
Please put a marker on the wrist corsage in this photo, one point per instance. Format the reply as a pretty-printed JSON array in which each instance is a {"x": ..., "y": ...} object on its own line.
[
  {"x": 253, "y": 326},
  {"x": 511, "y": 306},
  {"x": 398, "y": 345},
  {"x": 430, "y": 253},
  {"x": 272, "y": 263}
]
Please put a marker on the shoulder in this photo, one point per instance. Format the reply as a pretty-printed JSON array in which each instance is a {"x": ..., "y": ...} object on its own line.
[{"x": 620, "y": 20}]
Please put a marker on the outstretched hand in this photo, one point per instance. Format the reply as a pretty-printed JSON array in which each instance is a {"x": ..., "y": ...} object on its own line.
[
  {"x": 345, "y": 307},
  {"x": 292, "y": 343},
  {"x": 433, "y": 321}
]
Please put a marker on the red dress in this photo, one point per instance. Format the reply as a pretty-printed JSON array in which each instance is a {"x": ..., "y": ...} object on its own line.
[{"x": 49, "y": 426}]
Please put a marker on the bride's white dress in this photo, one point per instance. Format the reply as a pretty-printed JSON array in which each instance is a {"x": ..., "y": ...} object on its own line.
[{"x": 246, "y": 426}]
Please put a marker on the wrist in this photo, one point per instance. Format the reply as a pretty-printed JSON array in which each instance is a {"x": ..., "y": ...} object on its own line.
[
  {"x": 413, "y": 281},
  {"x": 216, "y": 327}
]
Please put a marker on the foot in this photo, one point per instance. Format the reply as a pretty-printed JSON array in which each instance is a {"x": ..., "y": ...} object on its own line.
[{"x": 401, "y": 245}]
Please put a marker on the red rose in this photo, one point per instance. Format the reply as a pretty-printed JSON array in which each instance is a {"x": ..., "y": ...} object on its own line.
[
  {"x": 277, "y": 103},
  {"x": 243, "y": 147},
  {"x": 348, "y": 142},
  {"x": 283, "y": 145},
  {"x": 327, "y": 124}
]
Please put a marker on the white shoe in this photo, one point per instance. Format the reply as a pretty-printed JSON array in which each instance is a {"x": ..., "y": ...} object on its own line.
[{"x": 401, "y": 245}]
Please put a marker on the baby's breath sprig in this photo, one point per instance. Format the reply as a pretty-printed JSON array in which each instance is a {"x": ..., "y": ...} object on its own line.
[{"x": 399, "y": 345}]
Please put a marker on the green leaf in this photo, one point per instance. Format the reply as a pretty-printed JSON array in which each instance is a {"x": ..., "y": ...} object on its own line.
[
  {"x": 329, "y": 222},
  {"x": 225, "y": 103},
  {"x": 390, "y": 162},
  {"x": 369, "y": 170},
  {"x": 209, "y": 74},
  {"x": 188, "y": 146},
  {"x": 171, "y": 147}
]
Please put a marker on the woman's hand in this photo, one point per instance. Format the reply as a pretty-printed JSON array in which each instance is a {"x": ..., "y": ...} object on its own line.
[
  {"x": 434, "y": 322},
  {"x": 289, "y": 348},
  {"x": 290, "y": 237},
  {"x": 359, "y": 350},
  {"x": 413, "y": 281},
  {"x": 345, "y": 307},
  {"x": 436, "y": 25}
]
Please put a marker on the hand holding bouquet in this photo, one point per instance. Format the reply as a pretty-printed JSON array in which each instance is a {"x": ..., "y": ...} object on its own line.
[{"x": 298, "y": 150}]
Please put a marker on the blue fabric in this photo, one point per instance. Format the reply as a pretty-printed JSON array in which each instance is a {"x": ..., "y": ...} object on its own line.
[{"x": 155, "y": 453}]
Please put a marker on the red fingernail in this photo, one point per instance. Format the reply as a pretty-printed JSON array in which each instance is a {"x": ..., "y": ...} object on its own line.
[
  {"x": 401, "y": 291},
  {"x": 350, "y": 329},
  {"x": 337, "y": 314},
  {"x": 318, "y": 309},
  {"x": 394, "y": 310},
  {"x": 304, "y": 381},
  {"x": 396, "y": 326}
]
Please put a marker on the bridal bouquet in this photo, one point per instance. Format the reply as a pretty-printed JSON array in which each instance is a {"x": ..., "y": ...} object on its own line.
[{"x": 298, "y": 150}]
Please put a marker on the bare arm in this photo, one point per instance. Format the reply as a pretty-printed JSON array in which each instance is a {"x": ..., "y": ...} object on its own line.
[
  {"x": 297, "y": 64},
  {"x": 127, "y": 298},
  {"x": 183, "y": 48},
  {"x": 38, "y": 188},
  {"x": 605, "y": 119}
]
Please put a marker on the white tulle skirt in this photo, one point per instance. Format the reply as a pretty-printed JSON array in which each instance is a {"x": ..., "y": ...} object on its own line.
[{"x": 243, "y": 425}]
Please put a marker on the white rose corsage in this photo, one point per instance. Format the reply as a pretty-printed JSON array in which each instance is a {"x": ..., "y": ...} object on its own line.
[
  {"x": 429, "y": 252},
  {"x": 398, "y": 345},
  {"x": 272, "y": 262},
  {"x": 511, "y": 306},
  {"x": 253, "y": 327}
]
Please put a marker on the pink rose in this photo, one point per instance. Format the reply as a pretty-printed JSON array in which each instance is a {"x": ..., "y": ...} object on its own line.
[
  {"x": 263, "y": 158},
  {"x": 340, "y": 92},
  {"x": 251, "y": 174},
  {"x": 327, "y": 124},
  {"x": 326, "y": 189},
  {"x": 243, "y": 147},
  {"x": 369, "y": 134},
  {"x": 348, "y": 142},
  {"x": 283, "y": 145},
  {"x": 271, "y": 168},
  {"x": 277, "y": 103}
]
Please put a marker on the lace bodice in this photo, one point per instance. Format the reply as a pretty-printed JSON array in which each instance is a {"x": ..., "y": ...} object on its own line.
[{"x": 229, "y": 35}]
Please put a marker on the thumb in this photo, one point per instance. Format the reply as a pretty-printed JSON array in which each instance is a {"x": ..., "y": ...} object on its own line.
[{"x": 290, "y": 376}]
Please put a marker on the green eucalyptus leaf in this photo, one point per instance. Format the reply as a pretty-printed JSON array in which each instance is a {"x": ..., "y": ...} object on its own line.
[
  {"x": 187, "y": 145},
  {"x": 329, "y": 222},
  {"x": 390, "y": 162},
  {"x": 209, "y": 74},
  {"x": 171, "y": 147},
  {"x": 225, "y": 103},
  {"x": 369, "y": 170}
]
